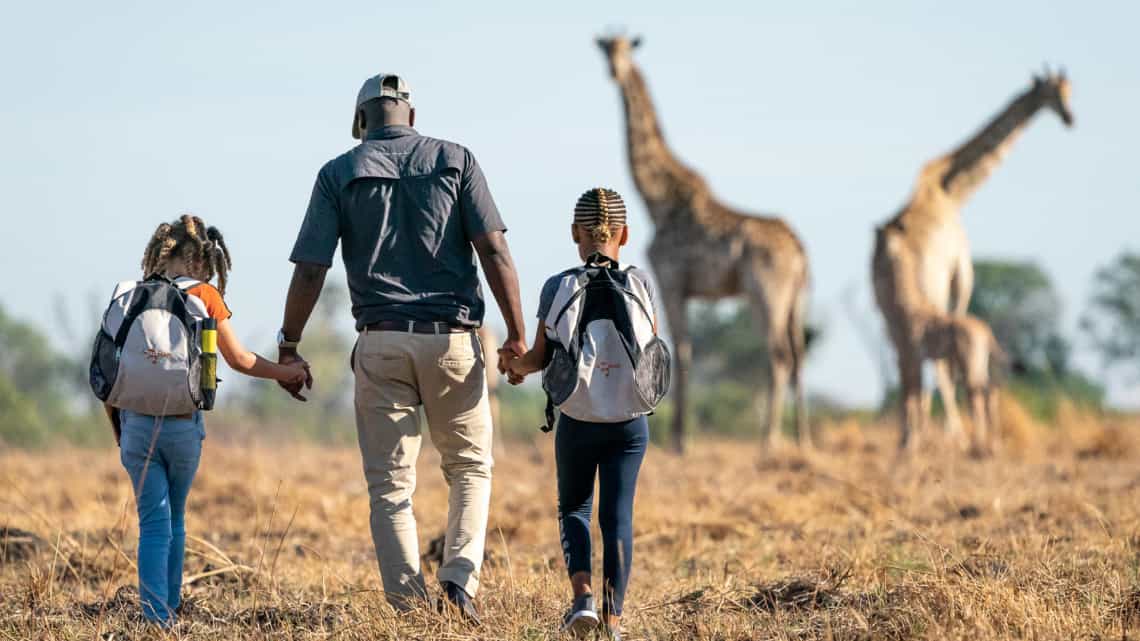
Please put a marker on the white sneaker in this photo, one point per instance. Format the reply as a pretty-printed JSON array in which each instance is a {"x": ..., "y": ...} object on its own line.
[{"x": 582, "y": 619}]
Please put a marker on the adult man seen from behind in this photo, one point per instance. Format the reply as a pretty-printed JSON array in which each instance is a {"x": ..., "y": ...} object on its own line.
[{"x": 411, "y": 213}]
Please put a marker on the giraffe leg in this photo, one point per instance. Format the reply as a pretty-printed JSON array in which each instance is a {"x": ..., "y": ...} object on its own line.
[
  {"x": 681, "y": 375},
  {"x": 675, "y": 313},
  {"x": 947, "y": 391},
  {"x": 925, "y": 406},
  {"x": 979, "y": 439},
  {"x": 994, "y": 415},
  {"x": 764, "y": 323},
  {"x": 777, "y": 386},
  {"x": 910, "y": 402},
  {"x": 782, "y": 364}
]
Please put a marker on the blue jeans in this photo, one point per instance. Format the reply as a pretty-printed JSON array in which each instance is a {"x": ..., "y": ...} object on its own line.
[
  {"x": 613, "y": 453},
  {"x": 161, "y": 456}
]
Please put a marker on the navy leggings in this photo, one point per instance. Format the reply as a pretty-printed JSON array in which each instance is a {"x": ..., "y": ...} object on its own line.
[{"x": 613, "y": 452}]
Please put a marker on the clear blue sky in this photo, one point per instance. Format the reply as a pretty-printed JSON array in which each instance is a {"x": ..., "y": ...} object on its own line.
[{"x": 120, "y": 115}]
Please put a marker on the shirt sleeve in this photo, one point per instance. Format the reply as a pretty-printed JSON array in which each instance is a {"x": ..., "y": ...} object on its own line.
[
  {"x": 648, "y": 282},
  {"x": 479, "y": 214},
  {"x": 320, "y": 232},
  {"x": 546, "y": 298},
  {"x": 215, "y": 305}
]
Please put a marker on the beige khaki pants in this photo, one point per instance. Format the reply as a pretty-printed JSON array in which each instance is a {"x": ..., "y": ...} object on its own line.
[{"x": 396, "y": 372}]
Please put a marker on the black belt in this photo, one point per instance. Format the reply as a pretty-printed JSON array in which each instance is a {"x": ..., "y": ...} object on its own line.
[{"x": 416, "y": 327}]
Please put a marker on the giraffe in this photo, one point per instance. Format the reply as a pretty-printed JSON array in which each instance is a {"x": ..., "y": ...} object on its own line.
[
  {"x": 701, "y": 248},
  {"x": 930, "y": 230},
  {"x": 968, "y": 344},
  {"x": 964, "y": 341}
]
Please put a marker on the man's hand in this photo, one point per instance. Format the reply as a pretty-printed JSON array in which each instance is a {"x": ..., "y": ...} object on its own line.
[
  {"x": 304, "y": 290},
  {"x": 516, "y": 374},
  {"x": 290, "y": 356},
  {"x": 512, "y": 349}
]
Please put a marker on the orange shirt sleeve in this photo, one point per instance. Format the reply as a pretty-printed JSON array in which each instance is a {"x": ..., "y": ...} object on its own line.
[{"x": 215, "y": 305}]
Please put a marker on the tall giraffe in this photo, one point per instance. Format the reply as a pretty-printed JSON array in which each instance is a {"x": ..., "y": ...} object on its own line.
[
  {"x": 703, "y": 249},
  {"x": 930, "y": 230},
  {"x": 964, "y": 341}
]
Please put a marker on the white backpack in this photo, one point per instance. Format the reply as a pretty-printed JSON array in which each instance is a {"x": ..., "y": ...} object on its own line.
[
  {"x": 146, "y": 356},
  {"x": 606, "y": 363}
]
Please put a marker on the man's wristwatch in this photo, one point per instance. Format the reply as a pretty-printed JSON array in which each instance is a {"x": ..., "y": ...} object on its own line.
[{"x": 285, "y": 343}]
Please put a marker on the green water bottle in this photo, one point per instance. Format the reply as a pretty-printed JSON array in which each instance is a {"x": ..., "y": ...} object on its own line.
[{"x": 209, "y": 363}]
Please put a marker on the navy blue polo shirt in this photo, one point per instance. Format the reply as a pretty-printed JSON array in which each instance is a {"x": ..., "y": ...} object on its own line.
[{"x": 404, "y": 208}]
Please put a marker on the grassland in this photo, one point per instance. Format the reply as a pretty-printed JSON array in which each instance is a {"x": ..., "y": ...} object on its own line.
[{"x": 1039, "y": 542}]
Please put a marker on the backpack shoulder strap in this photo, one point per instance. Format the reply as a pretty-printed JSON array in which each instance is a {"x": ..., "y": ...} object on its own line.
[
  {"x": 582, "y": 278},
  {"x": 144, "y": 298},
  {"x": 185, "y": 283}
]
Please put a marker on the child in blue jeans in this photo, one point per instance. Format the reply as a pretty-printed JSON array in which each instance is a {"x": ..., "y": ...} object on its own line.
[
  {"x": 161, "y": 453},
  {"x": 585, "y": 450}
]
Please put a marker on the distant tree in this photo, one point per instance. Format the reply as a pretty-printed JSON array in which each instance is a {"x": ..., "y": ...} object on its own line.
[
  {"x": 1018, "y": 300},
  {"x": 34, "y": 368},
  {"x": 1112, "y": 321},
  {"x": 38, "y": 387}
]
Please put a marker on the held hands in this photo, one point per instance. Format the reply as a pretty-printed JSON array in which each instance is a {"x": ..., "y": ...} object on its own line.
[
  {"x": 510, "y": 355},
  {"x": 517, "y": 371},
  {"x": 300, "y": 374},
  {"x": 300, "y": 378}
]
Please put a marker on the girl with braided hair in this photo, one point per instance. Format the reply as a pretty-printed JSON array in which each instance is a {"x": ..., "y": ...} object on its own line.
[
  {"x": 161, "y": 453},
  {"x": 585, "y": 450}
]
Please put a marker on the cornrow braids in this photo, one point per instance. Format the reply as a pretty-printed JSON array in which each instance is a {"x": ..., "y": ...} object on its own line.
[
  {"x": 601, "y": 212},
  {"x": 202, "y": 248}
]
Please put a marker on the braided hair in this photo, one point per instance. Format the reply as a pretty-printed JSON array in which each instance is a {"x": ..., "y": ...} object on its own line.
[
  {"x": 601, "y": 212},
  {"x": 202, "y": 248}
]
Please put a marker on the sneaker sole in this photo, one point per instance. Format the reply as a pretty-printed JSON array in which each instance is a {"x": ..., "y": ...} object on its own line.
[{"x": 581, "y": 623}]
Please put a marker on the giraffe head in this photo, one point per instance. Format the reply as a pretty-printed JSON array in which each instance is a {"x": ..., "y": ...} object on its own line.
[
  {"x": 619, "y": 52},
  {"x": 1054, "y": 90}
]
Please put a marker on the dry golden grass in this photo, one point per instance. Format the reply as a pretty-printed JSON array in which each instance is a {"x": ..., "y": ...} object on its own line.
[{"x": 1041, "y": 542}]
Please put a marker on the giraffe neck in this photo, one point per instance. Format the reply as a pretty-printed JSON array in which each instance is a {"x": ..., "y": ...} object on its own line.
[
  {"x": 973, "y": 162},
  {"x": 659, "y": 176}
]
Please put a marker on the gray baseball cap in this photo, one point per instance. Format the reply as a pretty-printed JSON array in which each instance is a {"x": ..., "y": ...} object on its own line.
[{"x": 384, "y": 85}]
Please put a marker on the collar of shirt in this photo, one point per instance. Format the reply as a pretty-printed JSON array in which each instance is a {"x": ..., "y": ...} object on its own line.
[{"x": 389, "y": 132}]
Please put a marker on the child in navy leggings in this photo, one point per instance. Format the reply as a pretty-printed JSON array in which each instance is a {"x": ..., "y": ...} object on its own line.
[{"x": 583, "y": 450}]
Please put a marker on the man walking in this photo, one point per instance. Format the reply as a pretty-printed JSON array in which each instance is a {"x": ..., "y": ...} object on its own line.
[{"x": 410, "y": 213}]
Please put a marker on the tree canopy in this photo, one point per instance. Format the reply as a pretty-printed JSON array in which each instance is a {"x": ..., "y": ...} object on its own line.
[
  {"x": 1019, "y": 302},
  {"x": 1112, "y": 321}
]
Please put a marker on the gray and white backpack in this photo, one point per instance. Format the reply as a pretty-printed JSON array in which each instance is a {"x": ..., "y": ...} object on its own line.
[
  {"x": 606, "y": 363},
  {"x": 146, "y": 354}
]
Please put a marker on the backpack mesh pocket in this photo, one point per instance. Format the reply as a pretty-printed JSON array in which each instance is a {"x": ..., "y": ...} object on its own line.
[
  {"x": 652, "y": 372},
  {"x": 104, "y": 365},
  {"x": 560, "y": 377}
]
